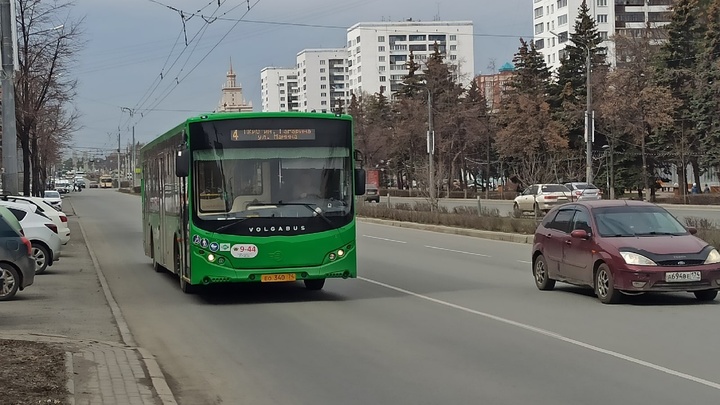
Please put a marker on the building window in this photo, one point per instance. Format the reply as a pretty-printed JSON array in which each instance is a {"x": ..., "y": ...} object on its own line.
[
  {"x": 417, "y": 38},
  {"x": 323, "y": 94},
  {"x": 324, "y": 102},
  {"x": 381, "y": 38},
  {"x": 604, "y": 35},
  {"x": 453, "y": 47},
  {"x": 359, "y": 79},
  {"x": 381, "y": 49},
  {"x": 282, "y": 98},
  {"x": 323, "y": 78},
  {"x": 394, "y": 38},
  {"x": 322, "y": 62},
  {"x": 358, "y": 39},
  {"x": 538, "y": 12},
  {"x": 540, "y": 44},
  {"x": 453, "y": 37},
  {"x": 539, "y": 28},
  {"x": 562, "y": 20},
  {"x": 282, "y": 105},
  {"x": 436, "y": 38},
  {"x": 323, "y": 86},
  {"x": 601, "y": 18},
  {"x": 381, "y": 68},
  {"x": 381, "y": 59},
  {"x": 282, "y": 91},
  {"x": 382, "y": 78},
  {"x": 561, "y": 3},
  {"x": 602, "y": 3},
  {"x": 322, "y": 70},
  {"x": 453, "y": 57},
  {"x": 357, "y": 50},
  {"x": 418, "y": 48}
]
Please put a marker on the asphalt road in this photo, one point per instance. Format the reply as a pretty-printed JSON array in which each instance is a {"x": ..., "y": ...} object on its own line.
[
  {"x": 434, "y": 319},
  {"x": 681, "y": 212}
]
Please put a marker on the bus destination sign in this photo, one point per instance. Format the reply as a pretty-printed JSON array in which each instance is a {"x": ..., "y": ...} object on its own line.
[{"x": 286, "y": 134}]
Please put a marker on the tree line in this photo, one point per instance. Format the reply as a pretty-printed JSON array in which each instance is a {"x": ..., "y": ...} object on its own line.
[{"x": 655, "y": 110}]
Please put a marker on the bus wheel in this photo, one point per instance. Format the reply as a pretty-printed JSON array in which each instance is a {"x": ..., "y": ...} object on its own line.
[
  {"x": 186, "y": 287},
  {"x": 315, "y": 284}
]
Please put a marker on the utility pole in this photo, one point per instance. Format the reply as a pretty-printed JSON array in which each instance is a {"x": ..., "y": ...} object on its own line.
[
  {"x": 9, "y": 129},
  {"x": 589, "y": 130},
  {"x": 118, "y": 161},
  {"x": 132, "y": 154},
  {"x": 431, "y": 150}
]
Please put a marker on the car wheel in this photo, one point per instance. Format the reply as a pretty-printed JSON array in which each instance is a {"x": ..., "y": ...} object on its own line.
[
  {"x": 41, "y": 257},
  {"x": 156, "y": 266},
  {"x": 540, "y": 272},
  {"x": 706, "y": 295},
  {"x": 604, "y": 288},
  {"x": 12, "y": 282},
  {"x": 315, "y": 284}
]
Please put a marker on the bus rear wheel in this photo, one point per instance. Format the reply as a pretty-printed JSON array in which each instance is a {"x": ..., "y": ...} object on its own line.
[{"x": 315, "y": 284}]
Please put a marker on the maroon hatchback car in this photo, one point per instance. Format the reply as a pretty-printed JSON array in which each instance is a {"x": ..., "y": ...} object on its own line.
[{"x": 618, "y": 246}]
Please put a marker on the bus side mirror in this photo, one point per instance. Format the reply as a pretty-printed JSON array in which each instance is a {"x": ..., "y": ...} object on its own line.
[
  {"x": 182, "y": 163},
  {"x": 359, "y": 181}
]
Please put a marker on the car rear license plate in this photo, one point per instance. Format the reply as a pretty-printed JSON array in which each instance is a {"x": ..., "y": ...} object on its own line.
[
  {"x": 682, "y": 276},
  {"x": 277, "y": 278}
]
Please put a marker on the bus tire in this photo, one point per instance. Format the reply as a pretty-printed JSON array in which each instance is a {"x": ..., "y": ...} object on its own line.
[
  {"x": 185, "y": 287},
  {"x": 315, "y": 284}
]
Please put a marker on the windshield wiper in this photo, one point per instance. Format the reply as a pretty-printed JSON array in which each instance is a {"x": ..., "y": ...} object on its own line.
[
  {"x": 230, "y": 224},
  {"x": 659, "y": 233},
  {"x": 317, "y": 211}
]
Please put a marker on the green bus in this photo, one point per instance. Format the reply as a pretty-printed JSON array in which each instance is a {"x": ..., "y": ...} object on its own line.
[{"x": 253, "y": 197}]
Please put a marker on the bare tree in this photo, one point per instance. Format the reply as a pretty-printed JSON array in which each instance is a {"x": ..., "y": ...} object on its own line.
[{"x": 48, "y": 40}]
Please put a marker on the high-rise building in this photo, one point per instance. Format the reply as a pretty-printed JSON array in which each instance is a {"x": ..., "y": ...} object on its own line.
[
  {"x": 279, "y": 87},
  {"x": 554, "y": 22},
  {"x": 378, "y": 52},
  {"x": 322, "y": 79},
  {"x": 232, "y": 98}
]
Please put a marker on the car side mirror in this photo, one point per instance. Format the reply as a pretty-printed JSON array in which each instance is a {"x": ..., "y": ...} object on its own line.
[
  {"x": 359, "y": 181},
  {"x": 580, "y": 234},
  {"x": 182, "y": 163},
  {"x": 692, "y": 230}
]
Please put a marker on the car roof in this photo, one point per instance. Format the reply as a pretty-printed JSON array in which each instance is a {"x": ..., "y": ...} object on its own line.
[{"x": 614, "y": 203}]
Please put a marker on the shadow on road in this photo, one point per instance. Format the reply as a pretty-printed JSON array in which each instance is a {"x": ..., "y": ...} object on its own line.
[{"x": 648, "y": 299}]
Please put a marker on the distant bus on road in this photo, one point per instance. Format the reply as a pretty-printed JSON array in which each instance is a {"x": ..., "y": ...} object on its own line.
[
  {"x": 105, "y": 182},
  {"x": 252, "y": 197}
]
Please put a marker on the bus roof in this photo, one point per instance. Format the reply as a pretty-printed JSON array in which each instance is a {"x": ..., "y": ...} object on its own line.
[{"x": 236, "y": 115}]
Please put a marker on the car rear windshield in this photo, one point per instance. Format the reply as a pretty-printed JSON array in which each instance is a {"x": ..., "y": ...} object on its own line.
[
  {"x": 636, "y": 221},
  {"x": 553, "y": 188},
  {"x": 584, "y": 186},
  {"x": 52, "y": 194}
]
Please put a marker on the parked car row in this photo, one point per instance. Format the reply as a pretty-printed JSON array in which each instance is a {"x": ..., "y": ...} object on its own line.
[
  {"x": 541, "y": 198},
  {"x": 32, "y": 233}
]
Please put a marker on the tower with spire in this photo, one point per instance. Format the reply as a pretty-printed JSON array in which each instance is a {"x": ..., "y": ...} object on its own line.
[{"x": 232, "y": 96}]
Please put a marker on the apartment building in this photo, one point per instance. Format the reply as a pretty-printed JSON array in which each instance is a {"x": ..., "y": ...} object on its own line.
[
  {"x": 321, "y": 79},
  {"x": 279, "y": 89},
  {"x": 494, "y": 85},
  {"x": 554, "y": 22},
  {"x": 378, "y": 52}
]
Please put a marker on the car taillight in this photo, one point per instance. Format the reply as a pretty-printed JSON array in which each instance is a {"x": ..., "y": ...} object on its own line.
[
  {"x": 52, "y": 227},
  {"x": 578, "y": 192},
  {"x": 63, "y": 218},
  {"x": 27, "y": 243},
  {"x": 550, "y": 197}
]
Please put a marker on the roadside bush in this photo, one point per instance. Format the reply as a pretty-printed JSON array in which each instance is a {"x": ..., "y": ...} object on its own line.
[
  {"x": 707, "y": 230},
  {"x": 423, "y": 215},
  {"x": 694, "y": 199}
]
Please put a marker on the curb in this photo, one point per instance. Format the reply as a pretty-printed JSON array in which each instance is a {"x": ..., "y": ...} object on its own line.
[
  {"x": 70, "y": 384},
  {"x": 159, "y": 383},
  {"x": 500, "y": 236}
]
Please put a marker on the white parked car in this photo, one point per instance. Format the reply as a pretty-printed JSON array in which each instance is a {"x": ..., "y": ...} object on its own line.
[
  {"x": 41, "y": 232},
  {"x": 53, "y": 198},
  {"x": 540, "y": 198},
  {"x": 58, "y": 217}
]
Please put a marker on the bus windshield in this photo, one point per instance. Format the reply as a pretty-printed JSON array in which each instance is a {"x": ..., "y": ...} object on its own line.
[{"x": 273, "y": 182}]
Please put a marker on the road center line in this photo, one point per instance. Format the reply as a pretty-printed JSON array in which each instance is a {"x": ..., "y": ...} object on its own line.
[
  {"x": 457, "y": 251},
  {"x": 552, "y": 335},
  {"x": 387, "y": 240}
]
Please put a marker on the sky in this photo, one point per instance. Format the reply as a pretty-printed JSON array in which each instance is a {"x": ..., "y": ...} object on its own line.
[{"x": 136, "y": 57}]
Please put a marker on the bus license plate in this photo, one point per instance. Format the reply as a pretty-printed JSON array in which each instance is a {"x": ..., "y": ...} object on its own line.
[
  {"x": 277, "y": 278},
  {"x": 682, "y": 276}
]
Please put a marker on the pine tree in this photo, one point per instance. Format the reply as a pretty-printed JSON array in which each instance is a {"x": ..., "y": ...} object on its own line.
[
  {"x": 412, "y": 82},
  {"x": 706, "y": 100},
  {"x": 531, "y": 73}
]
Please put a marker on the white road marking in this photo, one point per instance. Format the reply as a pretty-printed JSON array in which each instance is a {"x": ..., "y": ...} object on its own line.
[
  {"x": 552, "y": 335},
  {"x": 525, "y": 261},
  {"x": 457, "y": 251},
  {"x": 385, "y": 239}
]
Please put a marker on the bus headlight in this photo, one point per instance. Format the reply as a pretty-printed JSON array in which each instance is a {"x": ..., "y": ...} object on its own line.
[
  {"x": 341, "y": 253},
  {"x": 332, "y": 256},
  {"x": 211, "y": 257}
]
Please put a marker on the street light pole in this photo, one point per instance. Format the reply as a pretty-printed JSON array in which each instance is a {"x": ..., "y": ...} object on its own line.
[
  {"x": 132, "y": 154},
  {"x": 431, "y": 150},
  {"x": 9, "y": 128}
]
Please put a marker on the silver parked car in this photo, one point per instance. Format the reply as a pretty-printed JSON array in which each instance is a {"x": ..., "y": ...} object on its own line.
[
  {"x": 17, "y": 268},
  {"x": 584, "y": 191}
]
